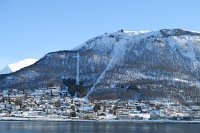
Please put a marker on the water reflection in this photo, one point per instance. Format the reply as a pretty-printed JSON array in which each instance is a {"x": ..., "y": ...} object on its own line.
[{"x": 94, "y": 127}]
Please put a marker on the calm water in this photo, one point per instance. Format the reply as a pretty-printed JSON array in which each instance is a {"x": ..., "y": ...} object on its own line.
[{"x": 94, "y": 127}]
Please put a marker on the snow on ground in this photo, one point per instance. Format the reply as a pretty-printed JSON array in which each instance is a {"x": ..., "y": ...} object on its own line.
[
  {"x": 135, "y": 32},
  {"x": 117, "y": 55},
  {"x": 143, "y": 115},
  {"x": 121, "y": 38},
  {"x": 108, "y": 120}
]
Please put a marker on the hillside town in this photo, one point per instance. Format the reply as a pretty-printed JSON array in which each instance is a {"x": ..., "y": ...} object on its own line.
[{"x": 56, "y": 103}]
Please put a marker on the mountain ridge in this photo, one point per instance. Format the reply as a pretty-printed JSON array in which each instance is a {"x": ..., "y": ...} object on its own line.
[
  {"x": 17, "y": 65},
  {"x": 122, "y": 64}
]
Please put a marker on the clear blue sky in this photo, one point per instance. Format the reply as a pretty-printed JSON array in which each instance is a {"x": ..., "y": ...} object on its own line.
[{"x": 32, "y": 28}]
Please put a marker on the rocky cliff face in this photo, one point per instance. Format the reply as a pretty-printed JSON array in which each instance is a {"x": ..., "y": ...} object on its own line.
[{"x": 124, "y": 64}]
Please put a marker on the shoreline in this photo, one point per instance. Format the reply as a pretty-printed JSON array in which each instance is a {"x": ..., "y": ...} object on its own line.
[{"x": 79, "y": 120}]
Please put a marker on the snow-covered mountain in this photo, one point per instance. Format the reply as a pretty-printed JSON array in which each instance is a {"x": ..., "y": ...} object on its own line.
[
  {"x": 123, "y": 64},
  {"x": 17, "y": 66}
]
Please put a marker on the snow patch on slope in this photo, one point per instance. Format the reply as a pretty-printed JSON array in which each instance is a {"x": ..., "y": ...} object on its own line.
[
  {"x": 135, "y": 32},
  {"x": 117, "y": 55},
  {"x": 105, "y": 41},
  {"x": 119, "y": 39}
]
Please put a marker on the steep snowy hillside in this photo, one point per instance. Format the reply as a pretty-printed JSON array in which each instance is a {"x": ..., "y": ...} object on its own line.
[
  {"x": 17, "y": 66},
  {"x": 123, "y": 64}
]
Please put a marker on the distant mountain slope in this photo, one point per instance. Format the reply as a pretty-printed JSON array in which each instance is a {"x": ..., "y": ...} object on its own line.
[
  {"x": 123, "y": 64},
  {"x": 17, "y": 66}
]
